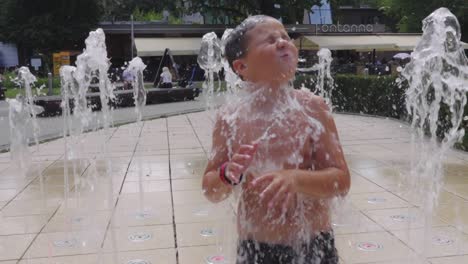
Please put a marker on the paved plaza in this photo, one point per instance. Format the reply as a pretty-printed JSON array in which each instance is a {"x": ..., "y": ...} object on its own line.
[
  {"x": 101, "y": 219},
  {"x": 52, "y": 127}
]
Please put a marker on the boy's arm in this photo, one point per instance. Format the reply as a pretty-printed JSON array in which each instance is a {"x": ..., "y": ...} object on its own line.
[
  {"x": 332, "y": 177},
  {"x": 213, "y": 188}
]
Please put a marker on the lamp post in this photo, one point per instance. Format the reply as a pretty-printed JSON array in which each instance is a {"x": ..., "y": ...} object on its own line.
[
  {"x": 132, "y": 36},
  {"x": 277, "y": 11}
]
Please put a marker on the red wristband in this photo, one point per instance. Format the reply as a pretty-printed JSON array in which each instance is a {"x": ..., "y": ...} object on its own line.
[
  {"x": 222, "y": 174},
  {"x": 224, "y": 178}
]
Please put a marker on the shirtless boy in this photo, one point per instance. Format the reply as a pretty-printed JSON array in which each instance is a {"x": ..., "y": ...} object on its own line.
[{"x": 281, "y": 147}]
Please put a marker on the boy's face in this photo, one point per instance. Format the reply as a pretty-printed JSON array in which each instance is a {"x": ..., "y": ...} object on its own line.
[{"x": 271, "y": 55}]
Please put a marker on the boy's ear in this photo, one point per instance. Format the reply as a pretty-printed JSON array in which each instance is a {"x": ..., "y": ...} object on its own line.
[{"x": 239, "y": 67}]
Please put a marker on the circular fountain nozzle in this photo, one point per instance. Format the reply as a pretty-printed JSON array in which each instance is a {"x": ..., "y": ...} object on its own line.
[
  {"x": 138, "y": 261},
  {"x": 140, "y": 237},
  {"x": 201, "y": 212},
  {"x": 217, "y": 259},
  {"x": 66, "y": 243},
  {"x": 77, "y": 219},
  {"x": 442, "y": 240},
  {"x": 376, "y": 200},
  {"x": 207, "y": 232},
  {"x": 401, "y": 218},
  {"x": 144, "y": 215},
  {"x": 369, "y": 246}
]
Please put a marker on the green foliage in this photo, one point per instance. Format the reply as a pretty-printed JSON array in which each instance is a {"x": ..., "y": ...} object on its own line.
[
  {"x": 291, "y": 11},
  {"x": 409, "y": 14},
  {"x": 373, "y": 95},
  {"x": 153, "y": 15},
  {"x": 13, "y": 92},
  {"x": 8, "y": 80},
  {"x": 13, "y": 88},
  {"x": 149, "y": 9},
  {"x": 47, "y": 25}
]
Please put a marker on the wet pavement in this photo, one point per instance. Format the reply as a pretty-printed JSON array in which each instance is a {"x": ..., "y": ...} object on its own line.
[
  {"x": 52, "y": 127},
  {"x": 102, "y": 219}
]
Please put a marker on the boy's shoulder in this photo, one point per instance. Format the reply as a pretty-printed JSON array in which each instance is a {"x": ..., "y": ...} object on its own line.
[{"x": 311, "y": 101}]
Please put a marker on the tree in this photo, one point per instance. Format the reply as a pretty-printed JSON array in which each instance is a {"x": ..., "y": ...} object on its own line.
[
  {"x": 410, "y": 14},
  {"x": 47, "y": 25},
  {"x": 122, "y": 9},
  {"x": 291, "y": 11}
]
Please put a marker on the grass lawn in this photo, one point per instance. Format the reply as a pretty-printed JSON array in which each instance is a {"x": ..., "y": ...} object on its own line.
[{"x": 12, "y": 92}]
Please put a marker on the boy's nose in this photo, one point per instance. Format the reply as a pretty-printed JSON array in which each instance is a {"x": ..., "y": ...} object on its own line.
[{"x": 281, "y": 43}]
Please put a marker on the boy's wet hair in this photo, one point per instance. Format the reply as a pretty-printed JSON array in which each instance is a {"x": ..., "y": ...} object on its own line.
[{"x": 237, "y": 41}]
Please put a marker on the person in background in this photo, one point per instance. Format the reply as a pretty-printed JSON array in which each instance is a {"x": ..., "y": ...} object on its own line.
[
  {"x": 127, "y": 80},
  {"x": 166, "y": 78}
]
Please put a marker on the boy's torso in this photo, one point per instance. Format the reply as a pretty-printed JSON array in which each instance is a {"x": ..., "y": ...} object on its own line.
[{"x": 285, "y": 142}]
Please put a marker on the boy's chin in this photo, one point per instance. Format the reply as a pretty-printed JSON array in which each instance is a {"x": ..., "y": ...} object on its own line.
[{"x": 286, "y": 76}]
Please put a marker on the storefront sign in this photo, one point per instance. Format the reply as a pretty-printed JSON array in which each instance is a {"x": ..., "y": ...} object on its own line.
[{"x": 345, "y": 28}]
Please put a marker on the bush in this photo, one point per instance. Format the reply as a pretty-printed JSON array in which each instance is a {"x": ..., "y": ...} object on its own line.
[
  {"x": 373, "y": 95},
  {"x": 376, "y": 95},
  {"x": 12, "y": 88}
]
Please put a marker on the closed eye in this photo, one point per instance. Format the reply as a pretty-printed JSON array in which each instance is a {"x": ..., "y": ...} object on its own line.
[
  {"x": 286, "y": 37},
  {"x": 271, "y": 40}
]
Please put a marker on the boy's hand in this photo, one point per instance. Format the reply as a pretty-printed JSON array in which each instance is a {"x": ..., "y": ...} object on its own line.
[
  {"x": 240, "y": 162},
  {"x": 280, "y": 186}
]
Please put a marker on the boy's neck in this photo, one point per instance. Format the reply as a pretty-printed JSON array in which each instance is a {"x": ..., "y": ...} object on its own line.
[
  {"x": 272, "y": 88},
  {"x": 269, "y": 93}
]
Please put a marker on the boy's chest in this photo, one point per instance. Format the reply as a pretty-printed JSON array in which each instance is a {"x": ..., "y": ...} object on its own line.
[{"x": 285, "y": 140}]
